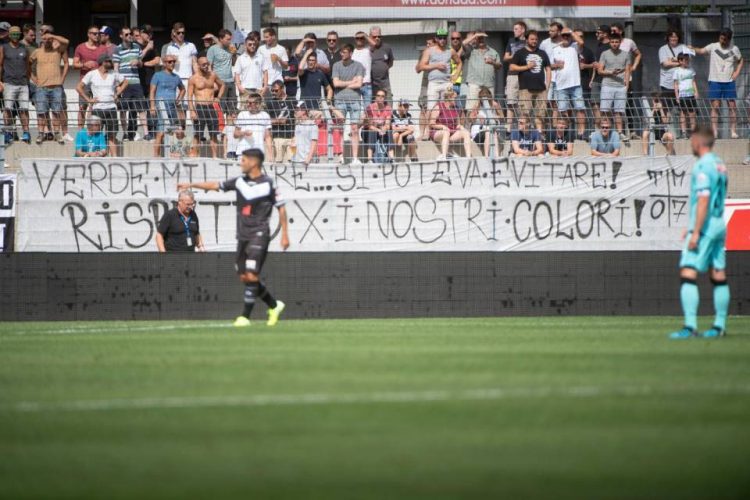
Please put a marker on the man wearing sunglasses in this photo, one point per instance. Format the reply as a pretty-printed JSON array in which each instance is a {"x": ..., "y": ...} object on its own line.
[
  {"x": 127, "y": 61},
  {"x": 250, "y": 71},
  {"x": 382, "y": 61},
  {"x": 605, "y": 142},
  {"x": 275, "y": 56},
  {"x": 332, "y": 48},
  {"x": 165, "y": 90},
  {"x": 187, "y": 61},
  {"x": 14, "y": 74},
  {"x": 85, "y": 59}
]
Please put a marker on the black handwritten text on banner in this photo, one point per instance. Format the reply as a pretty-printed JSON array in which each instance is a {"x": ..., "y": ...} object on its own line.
[{"x": 502, "y": 204}]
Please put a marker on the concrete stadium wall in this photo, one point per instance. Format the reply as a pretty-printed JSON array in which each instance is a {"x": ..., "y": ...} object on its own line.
[{"x": 353, "y": 285}]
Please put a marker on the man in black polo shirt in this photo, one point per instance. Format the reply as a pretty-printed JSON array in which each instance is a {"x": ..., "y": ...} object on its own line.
[
  {"x": 281, "y": 110},
  {"x": 179, "y": 229}
]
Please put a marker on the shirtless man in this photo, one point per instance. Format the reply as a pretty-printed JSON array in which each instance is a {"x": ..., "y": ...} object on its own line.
[{"x": 201, "y": 99}]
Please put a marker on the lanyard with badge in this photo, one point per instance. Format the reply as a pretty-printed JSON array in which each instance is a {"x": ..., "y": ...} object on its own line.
[{"x": 186, "y": 223}]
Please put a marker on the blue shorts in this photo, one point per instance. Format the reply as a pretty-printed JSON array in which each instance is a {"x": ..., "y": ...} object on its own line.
[
  {"x": 711, "y": 252},
  {"x": 572, "y": 96},
  {"x": 166, "y": 116},
  {"x": 722, "y": 90},
  {"x": 352, "y": 108},
  {"x": 49, "y": 99}
]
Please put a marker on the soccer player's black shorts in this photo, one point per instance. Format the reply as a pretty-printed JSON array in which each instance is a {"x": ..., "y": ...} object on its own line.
[
  {"x": 207, "y": 117},
  {"x": 251, "y": 253}
]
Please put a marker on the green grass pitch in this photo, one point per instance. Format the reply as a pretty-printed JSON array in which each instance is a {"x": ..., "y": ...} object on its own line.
[{"x": 433, "y": 408}]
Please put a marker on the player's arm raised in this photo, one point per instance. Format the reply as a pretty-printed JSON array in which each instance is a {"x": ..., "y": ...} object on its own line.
[{"x": 208, "y": 185}]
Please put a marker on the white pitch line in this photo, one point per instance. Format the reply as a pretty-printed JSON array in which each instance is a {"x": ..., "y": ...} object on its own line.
[
  {"x": 391, "y": 397},
  {"x": 122, "y": 329}
]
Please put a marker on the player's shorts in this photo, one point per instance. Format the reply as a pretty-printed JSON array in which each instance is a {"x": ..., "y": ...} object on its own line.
[
  {"x": 722, "y": 90},
  {"x": 251, "y": 253},
  {"x": 206, "y": 118},
  {"x": 711, "y": 252}
]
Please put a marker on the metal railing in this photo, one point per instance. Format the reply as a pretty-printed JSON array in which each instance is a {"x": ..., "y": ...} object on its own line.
[{"x": 134, "y": 121}]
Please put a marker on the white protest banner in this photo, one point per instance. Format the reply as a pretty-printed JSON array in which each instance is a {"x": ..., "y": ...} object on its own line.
[
  {"x": 502, "y": 204},
  {"x": 7, "y": 211}
]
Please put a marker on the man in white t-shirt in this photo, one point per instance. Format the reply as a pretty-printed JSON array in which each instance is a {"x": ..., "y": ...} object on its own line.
[
  {"x": 363, "y": 55},
  {"x": 187, "y": 62},
  {"x": 253, "y": 128},
  {"x": 106, "y": 87},
  {"x": 566, "y": 72},
  {"x": 274, "y": 55},
  {"x": 724, "y": 67},
  {"x": 548, "y": 45},
  {"x": 250, "y": 71}
]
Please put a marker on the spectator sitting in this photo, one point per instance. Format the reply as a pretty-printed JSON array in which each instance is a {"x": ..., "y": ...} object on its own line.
[
  {"x": 605, "y": 141},
  {"x": 182, "y": 145},
  {"x": 485, "y": 118},
  {"x": 445, "y": 125},
  {"x": 378, "y": 126},
  {"x": 686, "y": 91},
  {"x": 230, "y": 141},
  {"x": 524, "y": 142},
  {"x": 560, "y": 141},
  {"x": 305, "y": 139},
  {"x": 404, "y": 129},
  {"x": 90, "y": 141},
  {"x": 660, "y": 124}
]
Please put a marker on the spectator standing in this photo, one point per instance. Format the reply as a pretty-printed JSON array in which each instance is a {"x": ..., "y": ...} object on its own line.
[
  {"x": 221, "y": 58},
  {"x": 382, "y": 61},
  {"x": 250, "y": 72},
  {"x": 548, "y": 45},
  {"x": 458, "y": 73},
  {"x": 291, "y": 79},
  {"x": 332, "y": 48},
  {"x": 310, "y": 44},
  {"x": 424, "y": 106},
  {"x": 615, "y": 69},
  {"x": 363, "y": 56},
  {"x": 146, "y": 71},
  {"x": 15, "y": 72},
  {"x": 187, "y": 62},
  {"x": 127, "y": 62},
  {"x": 436, "y": 61},
  {"x": 107, "y": 87},
  {"x": 105, "y": 39},
  {"x": 482, "y": 64},
  {"x": 90, "y": 141},
  {"x": 516, "y": 43},
  {"x": 586, "y": 62},
  {"x": 568, "y": 90},
  {"x": 253, "y": 128},
  {"x": 179, "y": 228},
  {"x": 313, "y": 81},
  {"x": 165, "y": 91},
  {"x": 605, "y": 141},
  {"x": 378, "y": 126},
  {"x": 686, "y": 93},
  {"x": 202, "y": 104},
  {"x": 305, "y": 140},
  {"x": 281, "y": 111},
  {"x": 404, "y": 129},
  {"x": 51, "y": 64},
  {"x": 669, "y": 63},
  {"x": 725, "y": 65},
  {"x": 209, "y": 40},
  {"x": 348, "y": 75},
  {"x": 445, "y": 125},
  {"x": 602, "y": 45},
  {"x": 274, "y": 55},
  {"x": 534, "y": 74},
  {"x": 525, "y": 142},
  {"x": 629, "y": 46},
  {"x": 560, "y": 140},
  {"x": 85, "y": 59}
]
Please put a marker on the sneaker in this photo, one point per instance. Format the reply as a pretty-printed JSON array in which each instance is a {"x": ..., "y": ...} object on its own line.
[
  {"x": 68, "y": 138},
  {"x": 137, "y": 137},
  {"x": 685, "y": 333},
  {"x": 49, "y": 137},
  {"x": 26, "y": 137},
  {"x": 59, "y": 138},
  {"x": 746, "y": 161},
  {"x": 582, "y": 137},
  {"x": 273, "y": 314},
  {"x": 126, "y": 138},
  {"x": 683, "y": 135},
  {"x": 8, "y": 137},
  {"x": 356, "y": 162},
  {"x": 241, "y": 322},
  {"x": 626, "y": 141},
  {"x": 442, "y": 158},
  {"x": 735, "y": 136},
  {"x": 714, "y": 333},
  {"x": 15, "y": 136},
  {"x": 148, "y": 137},
  {"x": 40, "y": 138}
]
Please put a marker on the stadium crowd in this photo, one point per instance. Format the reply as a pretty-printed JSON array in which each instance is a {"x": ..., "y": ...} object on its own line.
[{"x": 300, "y": 102}]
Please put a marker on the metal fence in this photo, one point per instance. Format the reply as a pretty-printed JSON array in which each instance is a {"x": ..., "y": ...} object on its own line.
[{"x": 216, "y": 129}]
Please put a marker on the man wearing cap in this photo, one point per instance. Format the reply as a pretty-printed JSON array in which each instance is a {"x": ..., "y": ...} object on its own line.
[
  {"x": 403, "y": 128},
  {"x": 51, "y": 69},
  {"x": 127, "y": 61},
  {"x": 85, "y": 59},
  {"x": 4, "y": 32},
  {"x": 105, "y": 39},
  {"x": 14, "y": 75},
  {"x": 436, "y": 61},
  {"x": 209, "y": 40},
  {"x": 106, "y": 88},
  {"x": 90, "y": 141}
]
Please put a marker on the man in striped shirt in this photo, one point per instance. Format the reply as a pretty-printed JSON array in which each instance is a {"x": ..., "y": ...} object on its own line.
[{"x": 127, "y": 61}]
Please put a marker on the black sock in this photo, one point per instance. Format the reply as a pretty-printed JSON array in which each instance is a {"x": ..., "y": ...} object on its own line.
[
  {"x": 251, "y": 291},
  {"x": 266, "y": 296}
]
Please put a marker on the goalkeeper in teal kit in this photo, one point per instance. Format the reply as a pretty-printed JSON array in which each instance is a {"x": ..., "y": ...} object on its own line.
[{"x": 704, "y": 239}]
